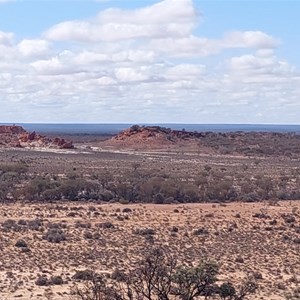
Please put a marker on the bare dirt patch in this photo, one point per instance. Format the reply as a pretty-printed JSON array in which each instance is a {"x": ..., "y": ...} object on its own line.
[{"x": 243, "y": 238}]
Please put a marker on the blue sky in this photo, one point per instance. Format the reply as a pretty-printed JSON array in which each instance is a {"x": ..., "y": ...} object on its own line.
[{"x": 150, "y": 61}]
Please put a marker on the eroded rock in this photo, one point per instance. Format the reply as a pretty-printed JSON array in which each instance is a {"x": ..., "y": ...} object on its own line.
[{"x": 17, "y": 137}]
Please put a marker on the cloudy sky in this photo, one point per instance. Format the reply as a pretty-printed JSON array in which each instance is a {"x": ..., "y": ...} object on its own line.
[{"x": 128, "y": 61}]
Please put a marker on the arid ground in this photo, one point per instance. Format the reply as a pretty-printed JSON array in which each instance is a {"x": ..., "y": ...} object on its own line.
[
  {"x": 244, "y": 238},
  {"x": 249, "y": 226}
]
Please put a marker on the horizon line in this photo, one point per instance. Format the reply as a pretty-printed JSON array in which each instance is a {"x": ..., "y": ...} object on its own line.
[{"x": 150, "y": 123}]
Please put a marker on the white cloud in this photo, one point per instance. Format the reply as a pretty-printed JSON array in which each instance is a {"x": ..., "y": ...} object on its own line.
[
  {"x": 250, "y": 39},
  {"x": 255, "y": 65},
  {"x": 261, "y": 87},
  {"x": 168, "y": 18},
  {"x": 137, "y": 56},
  {"x": 93, "y": 57},
  {"x": 35, "y": 48},
  {"x": 186, "y": 71},
  {"x": 88, "y": 57},
  {"x": 5, "y": 79},
  {"x": 105, "y": 80},
  {"x": 145, "y": 65},
  {"x": 129, "y": 75},
  {"x": 6, "y": 38},
  {"x": 54, "y": 66},
  {"x": 199, "y": 46}
]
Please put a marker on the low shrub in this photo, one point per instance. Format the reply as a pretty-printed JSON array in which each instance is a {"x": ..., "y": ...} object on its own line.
[
  {"x": 55, "y": 235},
  {"x": 21, "y": 244}
]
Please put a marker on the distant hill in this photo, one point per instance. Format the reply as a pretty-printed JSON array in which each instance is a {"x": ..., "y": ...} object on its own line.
[
  {"x": 154, "y": 137},
  {"x": 246, "y": 143},
  {"x": 18, "y": 137}
]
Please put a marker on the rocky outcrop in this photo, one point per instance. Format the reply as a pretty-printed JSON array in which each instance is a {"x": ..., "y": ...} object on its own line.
[
  {"x": 62, "y": 144},
  {"x": 146, "y": 132},
  {"x": 11, "y": 129},
  {"x": 18, "y": 137},
  {"x": 153, "y": 137},
  {"x": 229, "y": 143}
]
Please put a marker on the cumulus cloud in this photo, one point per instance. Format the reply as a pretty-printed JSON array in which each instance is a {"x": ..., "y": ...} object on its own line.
[
  {"x": 6, "y": 38},
  {"x": 262, "y": 87},
  {"x": 165, "y": 19},
  {"x": 145, "y": 65},
  {"x": 250, "y": 39},
  {"x": 186, "y": 71},
  {"x": 129, "y": 75},
  {"x": 255, "y": 65},
  {"x": 59, "y": 65},
  {"x": 35, "y": 48},
  {"x": 199, "y": 46}
]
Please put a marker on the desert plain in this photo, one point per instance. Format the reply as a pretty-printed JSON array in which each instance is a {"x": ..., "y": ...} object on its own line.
[{"x": 240, "y": 211}]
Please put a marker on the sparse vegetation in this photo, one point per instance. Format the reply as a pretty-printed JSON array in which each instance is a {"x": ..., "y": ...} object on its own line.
[
  {"x": 208, "y": 185},
  {"x": 93, "y": 215},
  {"x": 158, "y": 276}
]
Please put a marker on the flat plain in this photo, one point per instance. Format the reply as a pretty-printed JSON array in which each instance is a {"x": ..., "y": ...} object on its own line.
[
  {"x": 244, "y": 237},
  {"x": 235, "y": 236}
]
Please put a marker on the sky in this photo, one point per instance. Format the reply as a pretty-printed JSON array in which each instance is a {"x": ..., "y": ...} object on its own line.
[{"x": 150, "y": 61}]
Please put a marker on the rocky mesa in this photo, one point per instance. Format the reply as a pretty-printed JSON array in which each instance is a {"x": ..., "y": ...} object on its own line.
[{"x": 17, "y": 137}]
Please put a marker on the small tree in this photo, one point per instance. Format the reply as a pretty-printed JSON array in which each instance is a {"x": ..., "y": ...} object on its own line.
[
  {"x": 227, "y": 291},
  {"x": 247, "y": 287},
  {"x": 196, "y": 281},
  {"x": 153, "y": 277},
  {"x": 94, "y": 288},
  {"x": 157, "y": 277}
]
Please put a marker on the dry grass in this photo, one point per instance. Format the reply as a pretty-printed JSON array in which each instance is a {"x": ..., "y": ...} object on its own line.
[{"x": 242, "y": 238}]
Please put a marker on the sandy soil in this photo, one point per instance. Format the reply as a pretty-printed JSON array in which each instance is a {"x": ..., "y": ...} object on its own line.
[{"x": 242, "y": 238}]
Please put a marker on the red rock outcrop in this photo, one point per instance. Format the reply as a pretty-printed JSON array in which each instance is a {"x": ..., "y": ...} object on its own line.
[
  {"x": 208, "y": 142},
  {"x": 153, "y": 137},
  {"x": 18, "y": 137},
  {"x": 13, "y": 129}
]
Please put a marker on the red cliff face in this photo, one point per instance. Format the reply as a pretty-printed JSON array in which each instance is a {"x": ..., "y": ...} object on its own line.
[{"x": 18, "y": 137}]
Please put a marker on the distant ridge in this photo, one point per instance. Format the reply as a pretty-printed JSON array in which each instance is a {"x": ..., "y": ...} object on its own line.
[{"x": 246, "y": 143}]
